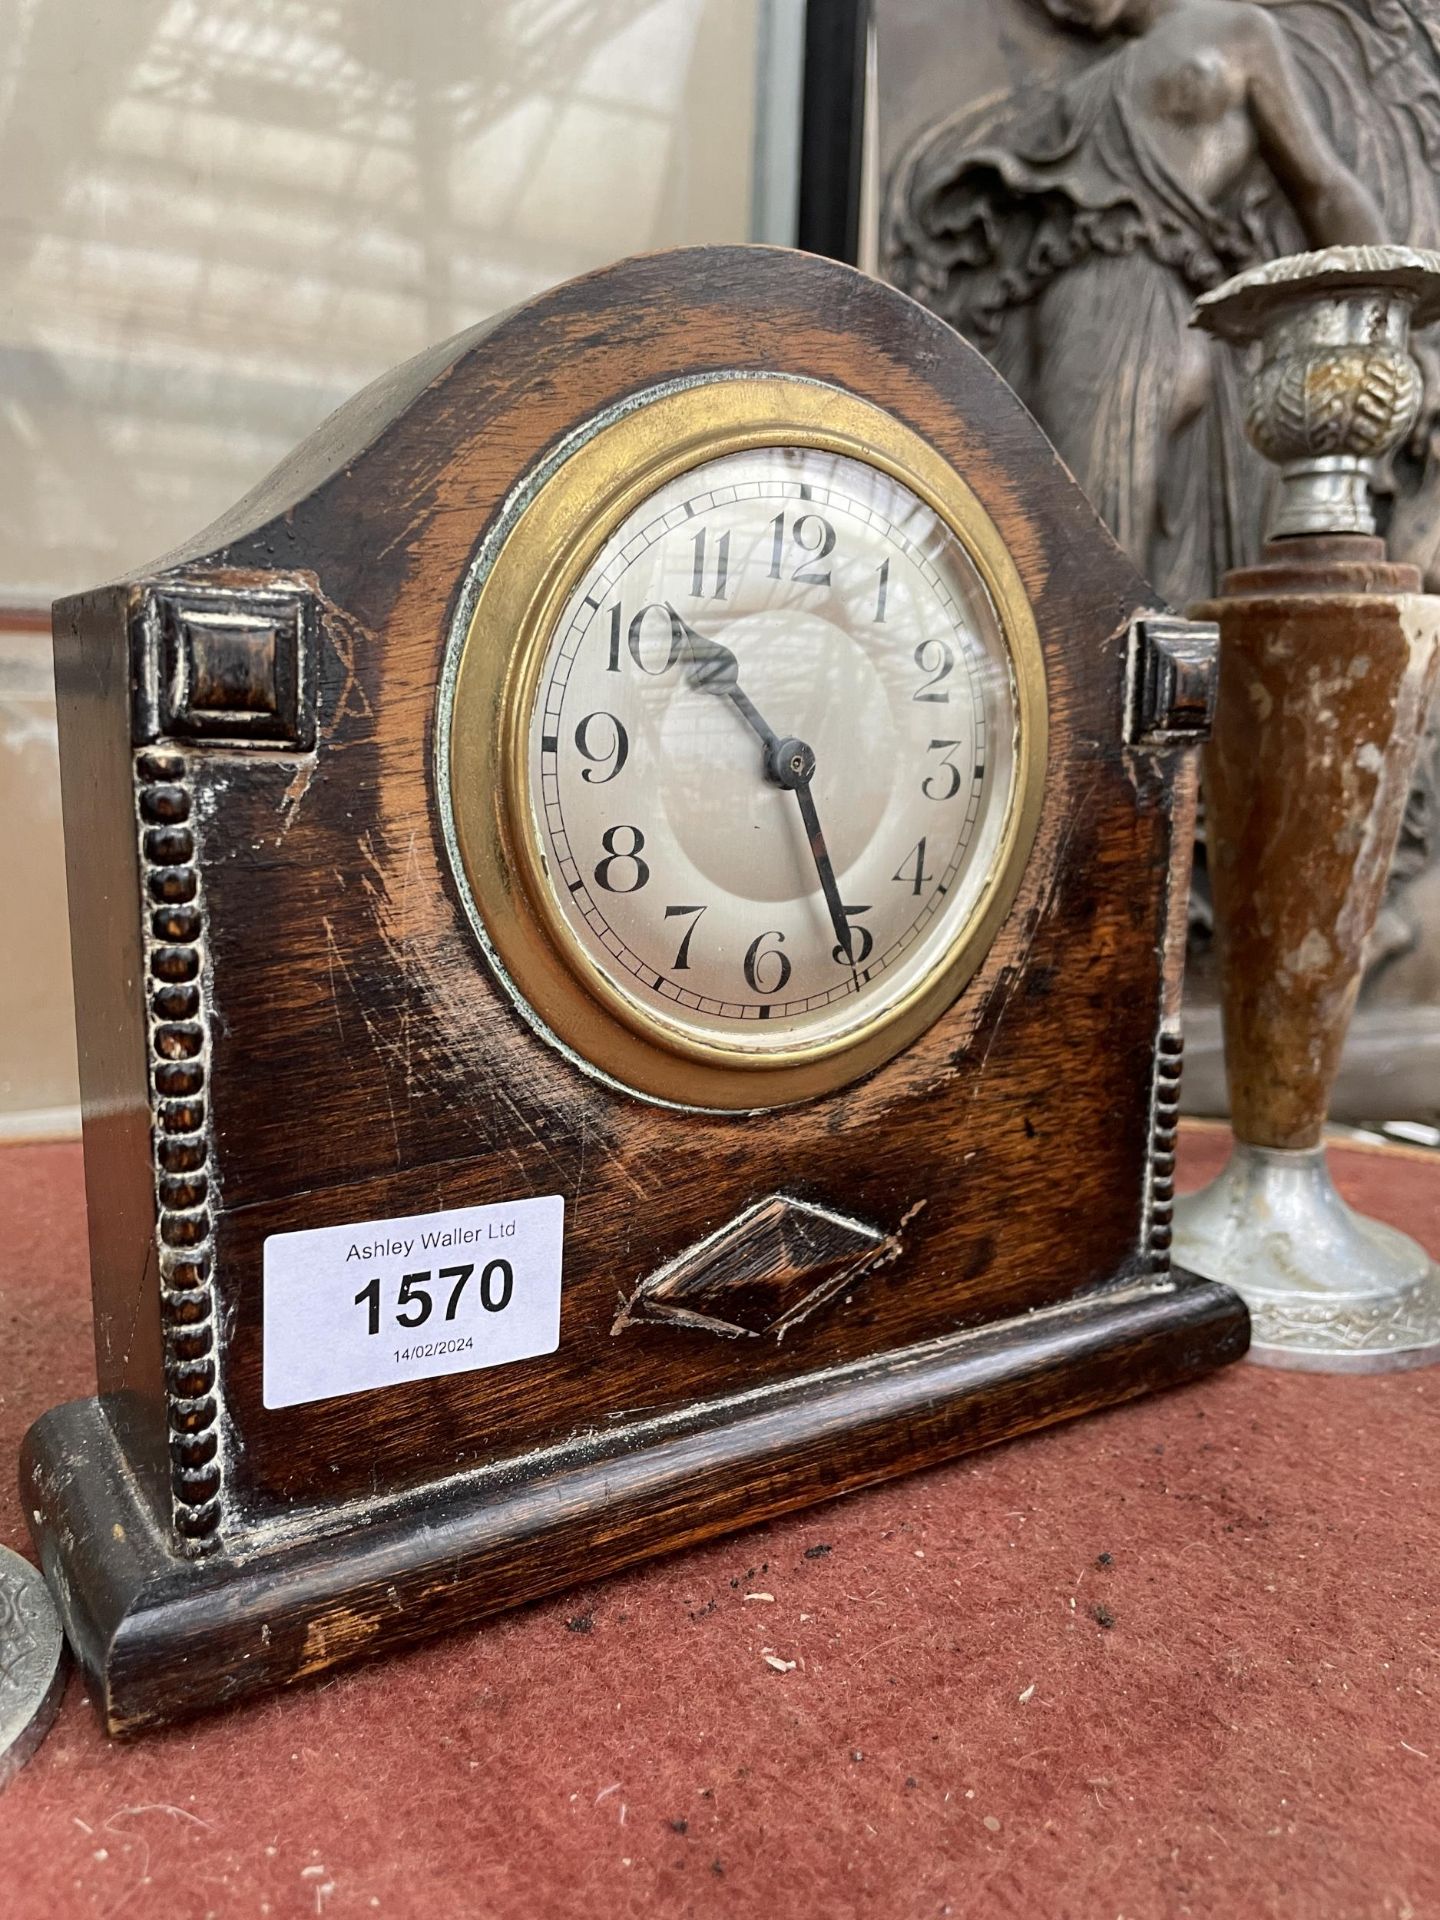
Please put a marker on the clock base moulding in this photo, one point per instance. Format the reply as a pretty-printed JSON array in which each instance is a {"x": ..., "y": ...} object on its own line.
[
  {"x": 161, "y": 1636},
  {"x": 289, "y": 1024}
]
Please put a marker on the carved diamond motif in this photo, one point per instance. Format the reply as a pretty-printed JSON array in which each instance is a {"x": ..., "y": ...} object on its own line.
[{"x": 770, "y": 1267}]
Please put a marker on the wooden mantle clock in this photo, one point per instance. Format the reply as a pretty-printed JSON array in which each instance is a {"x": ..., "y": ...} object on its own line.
[{"x": 627, "y": 908}]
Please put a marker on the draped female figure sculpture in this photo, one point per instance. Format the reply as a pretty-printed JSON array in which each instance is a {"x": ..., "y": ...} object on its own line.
[{"x": 1066, "y": 229}]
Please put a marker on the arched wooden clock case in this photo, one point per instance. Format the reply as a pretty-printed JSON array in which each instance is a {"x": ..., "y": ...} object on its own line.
[{"x": 288, "y": 1019}]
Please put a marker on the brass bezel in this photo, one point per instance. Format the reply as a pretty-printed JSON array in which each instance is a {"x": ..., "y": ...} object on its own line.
[{"x": 515, "y": 603}]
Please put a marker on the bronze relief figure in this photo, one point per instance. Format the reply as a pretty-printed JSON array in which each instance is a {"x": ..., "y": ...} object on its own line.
[
  {"x": 1134, "y": 155},
  {"x": 1066, "y": 227}
]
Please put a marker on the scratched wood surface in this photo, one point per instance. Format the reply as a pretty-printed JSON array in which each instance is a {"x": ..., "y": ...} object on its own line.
[
  {"x": 364, "y": 1064},
  {"x": 350, "y": 1059}
]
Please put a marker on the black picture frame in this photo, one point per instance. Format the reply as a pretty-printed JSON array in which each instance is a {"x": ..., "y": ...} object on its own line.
[{"x": 832, "y": 128}]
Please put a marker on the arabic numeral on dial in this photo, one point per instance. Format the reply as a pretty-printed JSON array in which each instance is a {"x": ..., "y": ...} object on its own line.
[
  {"x": 681, "y": 962},
  {"x": 674, "y": 634},
  {"x": 882, "y": 593},
  {"x": 618, "y": 856},
  {"x": 636, "y": 638},
  {"x": 822, "y": 543},
  {"x": 937, "y": 658},
  {"x": 945, "y": 748},
  {"x": 615, "y": 755},
  {"x": 778, "y": 976},
  {"x": 722, "y": 567},
  {"x": 852, "y": 929},
  {"x": 815, "y": 538},
  {"x": 912, "y": 869}
]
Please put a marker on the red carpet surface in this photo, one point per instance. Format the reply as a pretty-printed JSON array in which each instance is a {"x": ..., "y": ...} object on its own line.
[{"x": 1177, "y": 1660}]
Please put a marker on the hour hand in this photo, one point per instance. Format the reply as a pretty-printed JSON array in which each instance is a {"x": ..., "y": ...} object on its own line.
[{"x": 714, "y": 669}]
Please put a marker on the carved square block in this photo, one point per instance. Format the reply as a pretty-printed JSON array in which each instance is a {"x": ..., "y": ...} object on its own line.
[
  {"x": 226, "y": 664},
  {"x": 1175, "y": 672}
]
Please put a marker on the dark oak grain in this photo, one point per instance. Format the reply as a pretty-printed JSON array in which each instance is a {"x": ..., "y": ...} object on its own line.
[{"x": 355, "y": 1060}]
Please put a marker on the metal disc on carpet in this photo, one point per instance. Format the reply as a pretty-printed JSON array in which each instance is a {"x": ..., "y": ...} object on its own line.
[{"x": 32, "y": 1661}]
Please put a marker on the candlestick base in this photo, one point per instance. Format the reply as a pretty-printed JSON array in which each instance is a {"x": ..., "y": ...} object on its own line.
[{"x": 1328, "y": 1290}]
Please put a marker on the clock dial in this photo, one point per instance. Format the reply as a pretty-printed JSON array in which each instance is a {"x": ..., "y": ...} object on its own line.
[{"x": 772, "y": 752}]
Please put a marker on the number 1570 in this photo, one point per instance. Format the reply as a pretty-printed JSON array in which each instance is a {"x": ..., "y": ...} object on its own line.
[{"x": 417, "y": 1293}]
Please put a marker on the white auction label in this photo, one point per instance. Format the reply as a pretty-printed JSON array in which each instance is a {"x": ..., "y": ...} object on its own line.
[{"x": 370, "y": 1305}]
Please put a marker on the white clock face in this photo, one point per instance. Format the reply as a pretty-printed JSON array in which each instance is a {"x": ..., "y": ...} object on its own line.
[{"x": 772, "y": 752}]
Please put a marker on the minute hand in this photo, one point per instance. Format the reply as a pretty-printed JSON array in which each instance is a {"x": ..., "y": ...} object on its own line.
[{"x": 820, "y": 853}]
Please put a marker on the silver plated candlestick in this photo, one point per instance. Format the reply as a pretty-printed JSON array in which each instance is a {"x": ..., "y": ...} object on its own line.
[{"x": 1329, "y": 657}]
